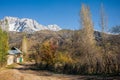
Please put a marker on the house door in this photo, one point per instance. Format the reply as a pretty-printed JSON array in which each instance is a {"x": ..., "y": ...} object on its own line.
[{"x": 20, "y": 59}]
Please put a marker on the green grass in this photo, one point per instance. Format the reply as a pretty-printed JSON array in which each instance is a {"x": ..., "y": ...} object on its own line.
[{"x": 12, "y": 66}]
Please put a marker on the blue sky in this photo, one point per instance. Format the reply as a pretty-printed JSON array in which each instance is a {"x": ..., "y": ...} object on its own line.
[{"x": 64, "y": 13}]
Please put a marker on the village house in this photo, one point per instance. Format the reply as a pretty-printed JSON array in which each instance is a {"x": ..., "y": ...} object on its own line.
[{"x": 14, "y": 56}]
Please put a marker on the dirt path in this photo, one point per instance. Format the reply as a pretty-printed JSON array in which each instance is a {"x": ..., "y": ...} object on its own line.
[
  {"x": 27, "y": 74},
  {"x": 23, "y": 72},
  {"x": 13, "y": 74}
]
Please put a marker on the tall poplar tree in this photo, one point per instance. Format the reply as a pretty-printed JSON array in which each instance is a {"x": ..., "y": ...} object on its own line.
[
  {"x": 87, "y": 36},
  {"x": 24, "y": 44},
  {"x": 88, "y": 43}
]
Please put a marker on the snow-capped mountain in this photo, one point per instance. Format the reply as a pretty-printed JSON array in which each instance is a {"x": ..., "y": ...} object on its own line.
[{"x": 25, "y": 25}]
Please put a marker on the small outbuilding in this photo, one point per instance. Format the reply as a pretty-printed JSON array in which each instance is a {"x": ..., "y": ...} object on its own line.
[{"x": 14, "y": 56}]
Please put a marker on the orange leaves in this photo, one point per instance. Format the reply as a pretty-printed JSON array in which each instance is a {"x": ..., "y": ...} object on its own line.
[{"x": 48, "y": 50}]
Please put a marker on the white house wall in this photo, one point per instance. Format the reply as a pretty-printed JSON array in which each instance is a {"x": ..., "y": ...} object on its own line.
[
  {"x": 18, "y": 60},
  {"x": 10, "y": 60}
]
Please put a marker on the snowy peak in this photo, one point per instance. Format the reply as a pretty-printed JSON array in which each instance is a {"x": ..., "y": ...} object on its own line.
[
  {"x": 54, "y": 27},
  {"x": 26, "y": 25}
]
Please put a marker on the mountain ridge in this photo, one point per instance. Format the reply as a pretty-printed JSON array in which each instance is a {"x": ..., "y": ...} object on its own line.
[{"x": 25, "y": 25}]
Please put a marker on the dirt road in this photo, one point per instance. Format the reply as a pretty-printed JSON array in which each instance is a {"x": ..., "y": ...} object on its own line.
[{"x": 22, "y": 72}]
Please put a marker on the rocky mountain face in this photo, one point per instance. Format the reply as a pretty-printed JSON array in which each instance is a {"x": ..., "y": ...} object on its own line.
[{"x": 25, "y": 25}]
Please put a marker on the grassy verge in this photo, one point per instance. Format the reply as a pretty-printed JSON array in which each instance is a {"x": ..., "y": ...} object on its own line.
[{"x": 12, "y": 66}]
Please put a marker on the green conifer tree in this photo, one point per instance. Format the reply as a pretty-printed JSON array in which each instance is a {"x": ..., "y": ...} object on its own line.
[{"x": 3, "y": 47}]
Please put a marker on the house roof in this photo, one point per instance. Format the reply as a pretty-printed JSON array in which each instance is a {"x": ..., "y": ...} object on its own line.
[{"x": 14, "y": 51}]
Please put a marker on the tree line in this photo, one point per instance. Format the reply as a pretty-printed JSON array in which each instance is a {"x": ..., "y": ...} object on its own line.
[{"x": 81, "y": 53}]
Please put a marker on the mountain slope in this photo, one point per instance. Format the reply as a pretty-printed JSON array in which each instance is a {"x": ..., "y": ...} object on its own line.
[{"x": 25, "y": 25}]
